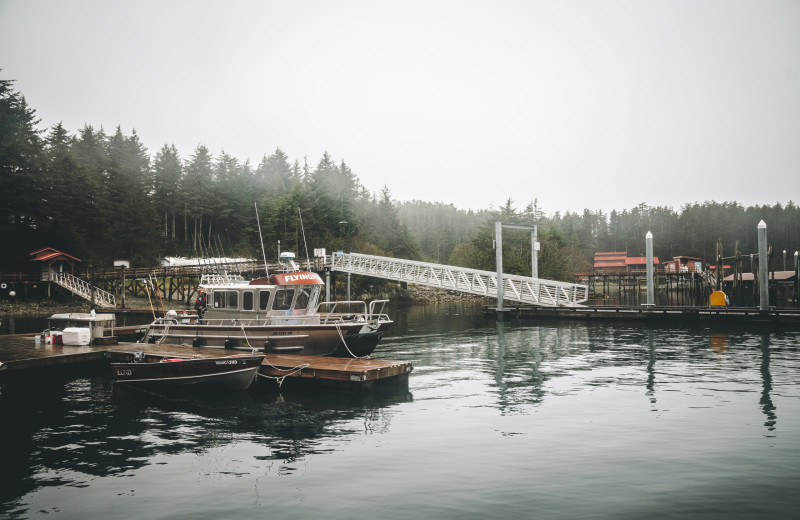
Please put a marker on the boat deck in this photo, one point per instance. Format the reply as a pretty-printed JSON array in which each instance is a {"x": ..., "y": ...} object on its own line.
[{"x": 20, "y": 356}]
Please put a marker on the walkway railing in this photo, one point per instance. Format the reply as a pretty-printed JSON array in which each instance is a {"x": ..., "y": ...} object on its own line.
[
  {"x": 523, "y": 289},
  {"x": 83, "y": 289}
]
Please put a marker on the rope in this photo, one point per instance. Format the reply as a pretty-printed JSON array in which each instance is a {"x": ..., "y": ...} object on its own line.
[
  {"x": 279, "y": 379},
  {"x": 341, "y": 336}
]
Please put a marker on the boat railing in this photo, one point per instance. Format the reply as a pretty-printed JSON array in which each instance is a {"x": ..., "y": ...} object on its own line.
[
  {"x": 341, "y": 311},
  {"x": 263, "y": 321},
  {"x": 221, "y": 279},
  {"x": 376, "y": 308}
]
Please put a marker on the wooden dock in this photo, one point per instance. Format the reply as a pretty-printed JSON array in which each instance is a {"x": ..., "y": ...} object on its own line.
[
  {"x": 21, "y": 357},
  {"x": 726, "y": 316}
]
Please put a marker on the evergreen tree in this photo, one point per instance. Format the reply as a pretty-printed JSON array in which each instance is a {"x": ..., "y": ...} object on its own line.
[{"x": 22, "y": 182}]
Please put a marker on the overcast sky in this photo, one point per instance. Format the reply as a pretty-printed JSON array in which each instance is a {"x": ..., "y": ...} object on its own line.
[{"x": 581, "y": 104}]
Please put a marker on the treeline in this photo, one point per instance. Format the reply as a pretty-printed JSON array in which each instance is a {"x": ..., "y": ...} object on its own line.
[{"x": 102, "y": 196}]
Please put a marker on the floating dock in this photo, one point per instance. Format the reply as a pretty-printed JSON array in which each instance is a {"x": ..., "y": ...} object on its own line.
[
  {"x": 21, "y": 357},
  {"x": 728, "y": 316}
]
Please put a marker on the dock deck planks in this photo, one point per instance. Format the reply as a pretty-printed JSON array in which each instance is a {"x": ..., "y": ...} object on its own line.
[{"x": 19, "y": 354}]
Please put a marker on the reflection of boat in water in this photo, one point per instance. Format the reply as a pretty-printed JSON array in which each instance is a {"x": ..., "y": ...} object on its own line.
[
  {"x": 276, "y": 314},
  {"x": 229, "y": 372}
]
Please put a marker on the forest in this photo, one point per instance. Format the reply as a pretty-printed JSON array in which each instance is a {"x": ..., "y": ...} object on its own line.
[{"x": 102, "y": 196}]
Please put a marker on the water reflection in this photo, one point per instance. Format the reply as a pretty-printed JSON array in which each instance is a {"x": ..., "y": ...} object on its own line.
[
  {"x": 766, "y": 400},
  {"x": 69, "y": 432},
  {"x": 635, "y": 404}
]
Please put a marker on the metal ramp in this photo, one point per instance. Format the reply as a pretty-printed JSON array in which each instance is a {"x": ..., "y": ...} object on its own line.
[
  {"x": 523, "y": 289},
  {"x": 83, "y": 289}
]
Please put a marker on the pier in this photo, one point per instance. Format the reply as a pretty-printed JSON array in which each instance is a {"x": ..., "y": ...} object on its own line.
[{"x": 728, "y": 316}]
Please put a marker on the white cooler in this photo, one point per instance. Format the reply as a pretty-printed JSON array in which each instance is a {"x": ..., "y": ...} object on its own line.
[{"x": 77, "y": 336}]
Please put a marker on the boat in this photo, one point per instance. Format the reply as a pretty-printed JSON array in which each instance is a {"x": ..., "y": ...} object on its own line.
[
  {"x": 79, "y": 328},
  {"x": 280, "y": 313},
  {"x": 228, "y": 372}
]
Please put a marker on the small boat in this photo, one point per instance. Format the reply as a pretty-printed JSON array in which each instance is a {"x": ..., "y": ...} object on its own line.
[
  {"x": 276, "y": 314},
  {"x": 228, "y": 372}
]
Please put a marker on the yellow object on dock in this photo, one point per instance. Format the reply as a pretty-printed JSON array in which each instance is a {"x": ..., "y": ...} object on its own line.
[{"x": 718, "y": 299}]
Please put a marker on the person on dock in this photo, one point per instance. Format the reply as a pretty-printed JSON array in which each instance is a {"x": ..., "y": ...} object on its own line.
[{"x": 200, "y": 303}]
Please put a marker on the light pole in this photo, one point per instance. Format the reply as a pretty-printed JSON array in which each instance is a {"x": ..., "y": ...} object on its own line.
[{"x": 348, "y": 252}]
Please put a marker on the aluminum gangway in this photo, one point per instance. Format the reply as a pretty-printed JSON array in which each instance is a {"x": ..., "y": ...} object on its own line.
[
  {"x": 84, "y": 289},
  {"x": 522, "y": 289}
]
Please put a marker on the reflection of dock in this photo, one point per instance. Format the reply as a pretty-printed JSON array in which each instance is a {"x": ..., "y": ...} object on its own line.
[
  {"x": 733, "y": 316},
  {"x": 21, "y": 357}
]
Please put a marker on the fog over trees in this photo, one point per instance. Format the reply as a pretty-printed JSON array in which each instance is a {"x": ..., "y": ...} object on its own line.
[{"x": 101, "y": 195}]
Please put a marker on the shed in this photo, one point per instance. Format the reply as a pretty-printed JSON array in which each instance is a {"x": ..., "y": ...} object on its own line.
[{"x": 52, "y": 261}]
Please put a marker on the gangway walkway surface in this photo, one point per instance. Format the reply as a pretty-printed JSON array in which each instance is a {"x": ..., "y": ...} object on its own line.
[
  {"x": 523, "y": 289},
  {"x": 84, "y": 289}
]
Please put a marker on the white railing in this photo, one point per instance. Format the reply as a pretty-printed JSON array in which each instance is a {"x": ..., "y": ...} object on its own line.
[
  {"x": 523, "y": 289},
  {"x": 83, "y": 289}
]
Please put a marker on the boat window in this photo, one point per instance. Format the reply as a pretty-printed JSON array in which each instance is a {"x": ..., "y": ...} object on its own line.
[
  {"x": 219, "y": 299},
  {"x": 226, "y": 299},
  {"x": 233, "y": 299},
  {"x": 303, "y": 296},
  {"x": 247, "y": 300},
  {"x": 283, "y": 299},
  {"x": 263, "y": 300}
]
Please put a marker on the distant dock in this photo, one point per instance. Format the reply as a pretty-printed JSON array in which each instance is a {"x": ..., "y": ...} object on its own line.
[{"x": 729, "y": 316}]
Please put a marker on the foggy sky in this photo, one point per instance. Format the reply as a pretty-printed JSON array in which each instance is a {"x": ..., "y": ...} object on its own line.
[{"x": 581, "y": 104}]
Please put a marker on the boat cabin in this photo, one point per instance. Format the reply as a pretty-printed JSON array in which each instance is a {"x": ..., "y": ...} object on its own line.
[
  {"x": 289, "y": 294},
  {"x": 97, "y": 324}
]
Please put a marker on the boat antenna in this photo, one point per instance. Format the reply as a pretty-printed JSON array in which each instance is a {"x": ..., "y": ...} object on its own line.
[
  {"x": 263, "y": 253},
  {"x": 308, "y": 260}
]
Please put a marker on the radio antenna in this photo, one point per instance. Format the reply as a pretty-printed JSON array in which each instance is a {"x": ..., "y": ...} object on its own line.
[
  {"x": 263, "y": 253},
  {"x": 308, "y": 260}
]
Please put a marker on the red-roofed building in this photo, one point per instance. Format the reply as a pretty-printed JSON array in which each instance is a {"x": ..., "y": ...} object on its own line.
[
  {"x": 53, "y": 261},
  {"x": 609, "y": 263},
  {"x": 620, "y": 263},
  {"x": 635, "y": 263},
  {"x": 684, "y": 264}
]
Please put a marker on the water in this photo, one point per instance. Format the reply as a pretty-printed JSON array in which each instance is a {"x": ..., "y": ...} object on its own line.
[{"x": 549, "y": 420}]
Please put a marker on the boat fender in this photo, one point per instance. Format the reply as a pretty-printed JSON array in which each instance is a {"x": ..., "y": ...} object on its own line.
[
  {"x": 197, "y": 342},
  {"x": 267, "y": 346},
  {"x": 230, "y": 343}
]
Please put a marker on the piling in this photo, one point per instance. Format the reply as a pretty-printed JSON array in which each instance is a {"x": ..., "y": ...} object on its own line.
[
  {"x": 763, "y": 276},
  {"x": 651, "y": 300}
]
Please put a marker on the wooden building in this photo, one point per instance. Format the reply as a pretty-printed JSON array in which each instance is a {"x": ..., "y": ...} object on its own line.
[
  {"x": 684, "y": 264},
  {"x": 52, "y": 262}
]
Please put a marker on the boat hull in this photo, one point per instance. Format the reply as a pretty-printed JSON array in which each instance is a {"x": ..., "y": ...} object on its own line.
[
  {"x": 230, "y": 373},
  {"x": 306, "y": 340}
]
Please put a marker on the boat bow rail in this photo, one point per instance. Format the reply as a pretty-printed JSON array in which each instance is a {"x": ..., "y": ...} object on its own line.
[{"x": 523, "y": 289}]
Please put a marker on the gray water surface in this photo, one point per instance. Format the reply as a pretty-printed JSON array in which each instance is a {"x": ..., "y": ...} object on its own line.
[{"x": 500, "y": 420}]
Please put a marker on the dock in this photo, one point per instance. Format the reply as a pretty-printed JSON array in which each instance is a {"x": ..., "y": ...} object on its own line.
[
  {"x": 21, "y": 357},
  {"x": 726, "y": 316}
]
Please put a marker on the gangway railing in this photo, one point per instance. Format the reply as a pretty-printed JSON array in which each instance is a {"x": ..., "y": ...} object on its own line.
[
  {"x": 83, "y": 289},
  {"x": 523, "y": 289}
]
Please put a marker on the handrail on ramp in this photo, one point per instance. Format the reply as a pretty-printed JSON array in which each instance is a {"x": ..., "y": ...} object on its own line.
[{"x": 523, "y": 289}]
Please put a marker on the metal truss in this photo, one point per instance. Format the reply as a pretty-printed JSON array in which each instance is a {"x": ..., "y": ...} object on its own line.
[{"x": 523, "y": 289}]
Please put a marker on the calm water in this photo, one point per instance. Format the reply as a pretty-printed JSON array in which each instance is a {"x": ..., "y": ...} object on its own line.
[{"x": 512, "y": 420}]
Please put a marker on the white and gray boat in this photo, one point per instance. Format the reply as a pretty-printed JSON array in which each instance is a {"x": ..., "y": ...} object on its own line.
[{"x": 280, "y": 313}]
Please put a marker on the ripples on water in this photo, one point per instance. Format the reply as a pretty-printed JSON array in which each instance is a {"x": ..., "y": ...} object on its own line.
[{"x": 548, "y": 420}]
